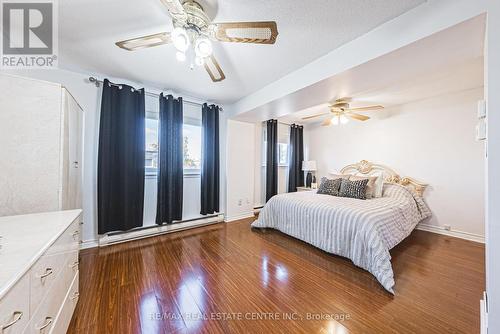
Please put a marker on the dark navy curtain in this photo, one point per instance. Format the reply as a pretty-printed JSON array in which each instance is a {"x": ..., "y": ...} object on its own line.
[
  {"x": 210, "y": 165},
  {"x": 120, "y": 166},
  {"x": 295, "y": 158},
  {"x": 271, "y": 158},
  {"x": 170, "y": 162}
]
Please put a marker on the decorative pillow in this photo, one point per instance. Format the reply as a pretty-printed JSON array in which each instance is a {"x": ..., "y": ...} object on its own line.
[
  {"x": 329, "y": 187},
  {"x": 353, "y": 189},
  {"x": 370, "y": 187}
]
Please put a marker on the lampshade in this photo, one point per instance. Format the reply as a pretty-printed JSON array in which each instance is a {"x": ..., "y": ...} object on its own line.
[
  {"x": 309, "y": 165},
  {"x": 180, "y": 39}
]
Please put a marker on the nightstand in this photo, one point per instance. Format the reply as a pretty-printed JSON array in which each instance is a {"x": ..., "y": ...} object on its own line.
[{"x": 305, "y": 189}]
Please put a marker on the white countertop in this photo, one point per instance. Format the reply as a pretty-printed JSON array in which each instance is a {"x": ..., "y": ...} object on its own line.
[{"x": 25, "y": 238}]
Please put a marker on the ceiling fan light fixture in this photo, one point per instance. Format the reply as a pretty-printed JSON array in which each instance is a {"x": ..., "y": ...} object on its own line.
[
  {"x": 203, "y": 47},
  {"x": 181, "y": 56},
  {"x": 199, "y": 61},
  {"x": 343, "y": 119},
  {"x": 180, "y": 39},
  {"x": 335, "y": 120}
]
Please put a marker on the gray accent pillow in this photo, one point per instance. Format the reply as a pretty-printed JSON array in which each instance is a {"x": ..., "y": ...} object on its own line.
[
  {"x": 329, "y": 186},
  {"x": 353, "y": 189}
]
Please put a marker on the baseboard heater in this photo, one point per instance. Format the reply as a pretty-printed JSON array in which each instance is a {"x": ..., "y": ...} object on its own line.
[{"x": 155, "y": 230}]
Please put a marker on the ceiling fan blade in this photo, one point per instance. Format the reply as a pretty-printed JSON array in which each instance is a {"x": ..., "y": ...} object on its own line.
[
  {"x": 246, "y": 32},
  {"x": 327, "y": 122},
  {"x": 175, "y": 9},
  {"x": 214, "y": 70},
  {"x": 357, "y": 116},
  {"x": 365, "y": 108},
  {"x": 145, "y": 41},
  {"x": 314, "y": 116}
]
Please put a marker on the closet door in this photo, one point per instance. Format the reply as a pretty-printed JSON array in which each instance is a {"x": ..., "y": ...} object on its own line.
[{"x": 74, "y": 115}]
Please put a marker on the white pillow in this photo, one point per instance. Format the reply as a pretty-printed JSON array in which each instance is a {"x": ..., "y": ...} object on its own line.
[{"x": 379, "y": 187}]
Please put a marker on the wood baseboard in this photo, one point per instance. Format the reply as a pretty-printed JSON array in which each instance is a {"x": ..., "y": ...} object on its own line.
[
  {"x": 451, "y": 233},
  {"x": 238, "y": 217},
  {"x": 89, "y": 244}
]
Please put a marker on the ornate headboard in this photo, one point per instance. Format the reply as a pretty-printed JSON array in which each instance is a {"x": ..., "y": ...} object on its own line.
[{"x": 390, "y": 176}]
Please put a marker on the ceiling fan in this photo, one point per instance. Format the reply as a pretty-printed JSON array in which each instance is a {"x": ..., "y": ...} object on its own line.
[
  {"x": 340, "y": 112},
  {"x": 194, "y": 32}
]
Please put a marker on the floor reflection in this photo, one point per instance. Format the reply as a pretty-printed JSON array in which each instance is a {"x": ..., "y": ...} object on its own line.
[
  {"x": 191, "y": 298},
  {"x": 265, "y": 271},
  {"x": 335, "y": 327},
  {"x": 281, "y": 273},
  {"x": 149, "y": 312}
]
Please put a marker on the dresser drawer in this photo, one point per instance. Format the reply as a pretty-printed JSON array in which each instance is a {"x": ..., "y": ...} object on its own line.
[
  {"x": 69, "y": 271},
  {"x": 45, "y": 316},
  {"x": 15, "y": 308},
  {"x": 68, "y": 241},
  {"x": 66, "y": 312},
  {"x": 43, "y": 275}
]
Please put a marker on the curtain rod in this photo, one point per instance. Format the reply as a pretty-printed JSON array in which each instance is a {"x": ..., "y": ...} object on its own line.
[
  {"x": 98, "y": 82},
  {"x": 280, "y": 122}
]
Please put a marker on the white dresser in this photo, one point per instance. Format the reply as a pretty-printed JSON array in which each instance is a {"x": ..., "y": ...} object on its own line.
[
  {"x": 39, "y": 271},
  {"x": 41, "y": 147}
]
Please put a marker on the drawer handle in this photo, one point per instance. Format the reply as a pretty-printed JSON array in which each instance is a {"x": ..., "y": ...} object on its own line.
[
  {"x": 75, "y": 295},
  {"x": 47, "y": 323},
  {"x": 48, "y": 272},
  {"x": 17, "y": 316}
]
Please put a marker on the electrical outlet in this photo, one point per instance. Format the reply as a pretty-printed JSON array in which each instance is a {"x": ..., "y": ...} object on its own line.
[{"x": 447, "y": 227}]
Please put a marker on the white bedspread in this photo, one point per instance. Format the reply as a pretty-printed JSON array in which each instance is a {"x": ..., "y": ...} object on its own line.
[{"x": 361, "y": 230}]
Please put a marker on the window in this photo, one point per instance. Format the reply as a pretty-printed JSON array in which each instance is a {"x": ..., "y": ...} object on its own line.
[
  {"x": 282, "y": 154},
  {"x": 191, "y": 144},
  {"x": 192, "y": 147},
  {"x": 151, "y": 145}
]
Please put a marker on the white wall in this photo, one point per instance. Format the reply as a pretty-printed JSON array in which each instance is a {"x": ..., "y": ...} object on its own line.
[
  {"x": 88, "y": 96},
  {"x": 431, "y": 140},
  {"x": 260, "y": 171},
  {"x": 240, "y": 150},
  {"x": 191, "y": 205}
]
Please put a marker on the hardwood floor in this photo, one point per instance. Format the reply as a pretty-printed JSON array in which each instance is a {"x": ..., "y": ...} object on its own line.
[{"x": 228, "y": 278}]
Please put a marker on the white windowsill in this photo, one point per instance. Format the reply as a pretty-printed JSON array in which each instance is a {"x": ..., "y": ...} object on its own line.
[{"x": 187, "y": 174}]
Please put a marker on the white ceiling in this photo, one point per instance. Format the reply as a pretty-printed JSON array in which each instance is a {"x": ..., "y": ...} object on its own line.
[
  {"x": 448, "y": 61},
  {"x": 88, "y": 30},
  {"x": 454, "y": 78}
]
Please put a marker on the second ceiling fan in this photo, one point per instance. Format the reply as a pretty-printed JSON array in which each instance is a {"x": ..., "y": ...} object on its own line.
[
  {"x": 194, "y": 32},
  {"x": 341, "y": 111}
]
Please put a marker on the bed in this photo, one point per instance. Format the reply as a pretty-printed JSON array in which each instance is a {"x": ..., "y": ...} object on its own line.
[{"x": 362, "y": 230}]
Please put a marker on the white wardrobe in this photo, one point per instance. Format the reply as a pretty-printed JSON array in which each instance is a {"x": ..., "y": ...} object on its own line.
[{"x": 40, "y": 147}]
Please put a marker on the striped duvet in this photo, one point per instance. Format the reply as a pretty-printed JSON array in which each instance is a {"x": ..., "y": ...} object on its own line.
[{"x": 361, "y": 230}]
